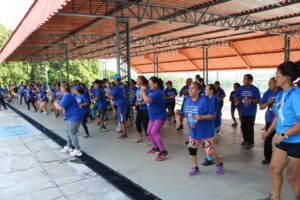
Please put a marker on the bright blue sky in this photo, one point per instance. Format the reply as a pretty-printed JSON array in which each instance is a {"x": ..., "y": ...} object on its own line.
[{"x": 12, "y": 12}]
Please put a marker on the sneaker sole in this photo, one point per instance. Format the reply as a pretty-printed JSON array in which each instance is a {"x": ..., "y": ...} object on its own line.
[{"x": 163, "y": 158}]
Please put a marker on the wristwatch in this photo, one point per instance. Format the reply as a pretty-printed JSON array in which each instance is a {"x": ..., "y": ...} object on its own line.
[{"x": 284, "y": 135}]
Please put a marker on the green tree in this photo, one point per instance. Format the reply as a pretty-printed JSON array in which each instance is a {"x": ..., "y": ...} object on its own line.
[{"x": 84, "y": 70}]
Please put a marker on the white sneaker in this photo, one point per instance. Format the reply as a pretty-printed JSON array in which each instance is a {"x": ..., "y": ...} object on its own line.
[
  {"x": 76, "y": 152},
  {"x": 66, "y": 149}
]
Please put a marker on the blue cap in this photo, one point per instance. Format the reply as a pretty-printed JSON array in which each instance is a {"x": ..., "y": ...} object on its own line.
[
  {"x": 76, "y": 87},
  {"x": 117, "y": 76}
]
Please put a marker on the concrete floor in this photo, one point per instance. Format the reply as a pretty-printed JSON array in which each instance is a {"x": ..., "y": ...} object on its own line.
[
  {"x": 32, "y": 168},
  {"x": 244, "y": 178}
]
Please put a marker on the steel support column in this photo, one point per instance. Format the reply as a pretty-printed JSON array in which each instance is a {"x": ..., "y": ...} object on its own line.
[
  {"x": 67, "y": 64},
  {"x": 206, "y": 64},
  {"x": 118, "y": 56},
  {"x": 287, "y": 47},
  {"x": 156, "y": 64},
  {"x": 123, "y": 47},
  {"x": 203, "y": 68},
  {"x": 128, "y": 59}
]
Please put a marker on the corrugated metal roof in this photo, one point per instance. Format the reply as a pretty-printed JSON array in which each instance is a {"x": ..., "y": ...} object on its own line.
[
  {"x": 246, "y": 50},
  {"x": 39, "y": 12}
]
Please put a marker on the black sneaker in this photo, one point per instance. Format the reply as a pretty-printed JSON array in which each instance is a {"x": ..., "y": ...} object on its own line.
[
  {"x": 244, "y": 143},
  {"x": 174, "y": 121},
  {"x": 180, "y": 127},
  {"x": 208, "y": 162},
  {"x": 234, "y": 125},
  {"x": 123, "y": 136},
  {"x": 248, "y": 146},
  {"x": 265, "y": 162}
]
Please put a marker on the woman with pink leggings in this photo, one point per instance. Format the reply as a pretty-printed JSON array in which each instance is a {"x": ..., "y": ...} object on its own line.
[{"x": 157, "y": 116}]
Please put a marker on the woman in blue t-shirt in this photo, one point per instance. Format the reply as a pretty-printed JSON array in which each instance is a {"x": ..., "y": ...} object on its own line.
[
  {"x": 73, "y": 115},
  {"x": 200, "y": 117},
  {"x": 157, "y": 116},
  {"x": 30, "y": 97},
  {"x": 170, "y": 94},
  {"x": 267, "y": 101},
  {"x": 142, "y": 118},
  {"x": 211, "y": 93},
  {"x": 234, "y": 107},
  {"x": 42, "y": 100},
  {"x": 84, "y": 104},
  {"x": 287, "y": 126}
]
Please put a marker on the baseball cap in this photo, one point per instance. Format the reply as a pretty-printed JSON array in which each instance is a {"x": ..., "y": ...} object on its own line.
[
  {"x": 117, "y": 76},
  {"x": 169, "y": 82}
]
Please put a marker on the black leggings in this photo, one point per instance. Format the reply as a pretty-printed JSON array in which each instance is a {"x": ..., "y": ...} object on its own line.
[
  {"x": 142, "y": 119},
  {"x": 268, "y": 147},
  {"x": 247, "y": 125},
  {"x": 32, "y": 102},
  {"x": 171, "y": 107},
  {"x": 3, "y": 102},
  {"x": 84, "y": 121}
]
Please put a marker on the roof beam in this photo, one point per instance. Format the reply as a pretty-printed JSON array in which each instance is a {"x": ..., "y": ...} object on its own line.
[
  {"x": 182, "y": 52},
  {"x": 195, "y": 17},
  {"x": 152, "y": 61},
  {"x": 238, "y": 53},
  {"x": 247, "y": 13},
  {"x": 118, "y": 7},
  {"x": 168, "y": 16}
]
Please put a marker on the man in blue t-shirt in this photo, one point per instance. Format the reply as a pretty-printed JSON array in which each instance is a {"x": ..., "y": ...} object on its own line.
[
  {"x": 120, "y": 98},
  {"x": 248, "y": 96},
  {"x": 184, "y": 92},
  {"x": 22, "y": 90},
  {"x": 170, "y": 94},
  {"x": 221, "y": 94}
]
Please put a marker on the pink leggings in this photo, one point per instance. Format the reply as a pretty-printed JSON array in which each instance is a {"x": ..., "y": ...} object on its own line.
[{"x": 154, "y": 127}]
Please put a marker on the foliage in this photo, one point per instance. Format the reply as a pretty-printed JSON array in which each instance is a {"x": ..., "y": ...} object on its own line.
[{"x": 83, "y": 70}]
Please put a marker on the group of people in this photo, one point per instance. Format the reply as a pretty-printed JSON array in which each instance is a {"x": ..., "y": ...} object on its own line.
[{"x": 202, "y": 105}]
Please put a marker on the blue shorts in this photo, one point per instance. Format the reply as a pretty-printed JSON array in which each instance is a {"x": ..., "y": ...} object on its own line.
[{"x": 122, "y": 112}]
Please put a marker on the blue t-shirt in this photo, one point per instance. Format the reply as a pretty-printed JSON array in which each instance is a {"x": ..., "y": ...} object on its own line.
[
  {"x": 120, "y": 94},
  {"x": 170, "y": 92},
  {"x": 287, "y": 110},
  {"x": 57, "y": 93},
  {"x": 201, "y": 129},
  {"x": 41, "y": 95},
  {"x": 214, "y": 103},
  {"x": 184, "y": 90},
  {"x": 245, "y": 107},
  {"x": 133, "y": 95},
  {"x": 72, "y": 110},
  {"x": 100, "y": 98},
  {"x": 5, "y": 90},
  {"x": 232, "y": 97},
  {"x": 221, "y": 93},
  {"x": 30, "y": 94},
  {"x": 43, "y": 87},
  {"x": 140, "y": 100},
  {"x": 82, "y": 99},
  {"x": 269, "y": 94},
  {"x": 22, "y": 89},
  {"x": 157, "y": 109},
  {"x": 86, "y": 92}
]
